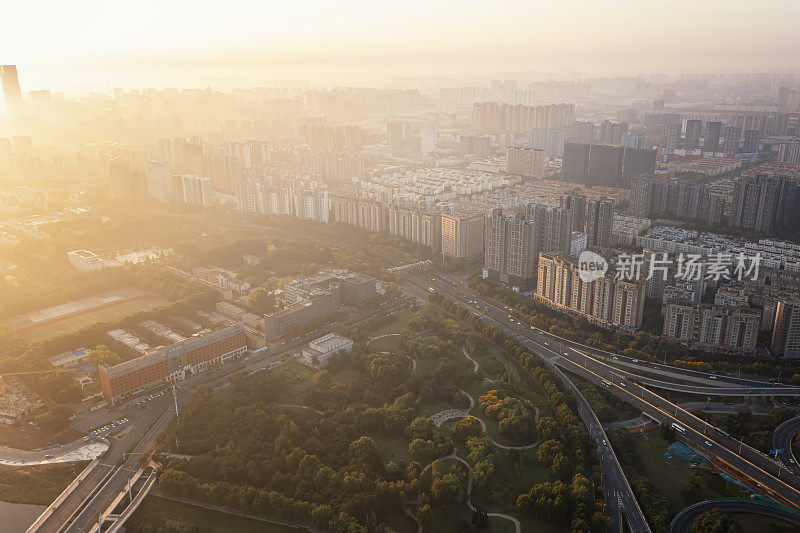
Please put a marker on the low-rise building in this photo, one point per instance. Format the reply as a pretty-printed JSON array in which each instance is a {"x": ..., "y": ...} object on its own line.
[
  {"x": 171, "y": 363},
  {"x": 319, "y": 351}
]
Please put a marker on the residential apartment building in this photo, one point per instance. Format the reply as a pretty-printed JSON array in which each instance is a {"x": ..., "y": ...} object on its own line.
[
  {"x": 463, "y": 236},
  {"x": 710, "y": 326},
  {"x": 604, "y": 301}
]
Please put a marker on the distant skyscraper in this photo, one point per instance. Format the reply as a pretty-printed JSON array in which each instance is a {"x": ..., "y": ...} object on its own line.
[
  {"x": 633, "y": 140},
  {"x": 730, "y": 142},
  {"x": 525, "y": 161},
  {"x": 196, "y": 190},
  {"x": 158, "y": 180},
  {"x": 670, "y": 135},
  {"x": 711, "y": 140},
  {"x": 752, "y": 139},
  {"x": 692, "y": 140},
  {"x": 11, "y": 91},
  {"x": 551, "y": 141},
  {"x": 123, "y": 184}
]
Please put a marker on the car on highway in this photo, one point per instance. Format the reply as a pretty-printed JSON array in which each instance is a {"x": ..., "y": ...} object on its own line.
[{"x": 709, "y": 444}]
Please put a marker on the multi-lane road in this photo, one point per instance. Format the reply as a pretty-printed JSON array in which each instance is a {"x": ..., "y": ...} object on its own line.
[{"x": 764, "y": 473}]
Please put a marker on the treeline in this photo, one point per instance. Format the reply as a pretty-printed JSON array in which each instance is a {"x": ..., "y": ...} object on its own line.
[{"x": 250, "y": 499}]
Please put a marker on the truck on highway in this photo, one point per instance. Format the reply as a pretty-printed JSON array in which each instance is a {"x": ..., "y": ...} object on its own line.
[{"x": 680, "y": 429}]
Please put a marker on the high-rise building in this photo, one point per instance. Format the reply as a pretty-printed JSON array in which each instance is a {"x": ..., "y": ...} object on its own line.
[
  {"x": 711, "y": 140},
  {"x": 123, "y": 179},
  {"x": 731, "y": 138},
  {"x": 670, "y": 135},
  {"x": 764, "y": 202},
  {"x": 463, "y": 236},
  {"x": 158, "y": 180},
  {"x": 196, "y": 190},
  {"x": 580, "y": 132},
  {"x": 752, "y": 140},
  {"x": 711, "y": 326},
  {"x": 609, "y": 166},
  {"x": 612, "y": 132},
  {"x": 511, "y": 249},
  {"x": 633, "y": 140},
  {"x": 577, "y": 203},
  {"x": 551, "y": 141},
  {"x": 554, "y": 225},
  {"x": 11, "y": 90},
  {"x": 398, "y": 133},
  {"x": 693, "y": 128},
  {"x": 600, "y": 222},
  {"x": 416, "y": 225},
  {"x": 786, "y": 332},
  {"x": 604, "y": 301},
  {"x": 641, "y": 197},
  {"x": 525, "y": 161}
]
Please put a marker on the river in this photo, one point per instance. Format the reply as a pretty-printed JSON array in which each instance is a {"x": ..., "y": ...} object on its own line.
[{"x": 17, "y": 517}]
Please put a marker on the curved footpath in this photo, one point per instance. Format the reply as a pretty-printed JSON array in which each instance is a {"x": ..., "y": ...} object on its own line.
[
  {"x": 683, "y": 521},
  {"x": 471, "y": 507}
]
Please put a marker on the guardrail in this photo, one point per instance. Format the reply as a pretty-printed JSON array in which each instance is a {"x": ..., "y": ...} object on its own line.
[{"x": 63, "y": 496}]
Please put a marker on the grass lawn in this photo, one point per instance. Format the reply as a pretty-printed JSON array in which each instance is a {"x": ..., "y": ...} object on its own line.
[
  {"x": 397, "y": 325},
  {"x": 297, "y": 377},
  {"x": 155, "y": 510},
  {"x": 392, "y": 448},
  {"x": 82, "y": 320},
  {"x": 668, "y": 476},
  {"x": 36, "y": 484},
  {"x": 25, "y": 437},
  {"x": 754, "y": 522},
  {"x": 386, "y": 344}
]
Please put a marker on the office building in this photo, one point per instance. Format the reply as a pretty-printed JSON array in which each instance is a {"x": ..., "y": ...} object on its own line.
[
  {"x": 319, "y": 351},
  {"x": 711, "y": 140},
  {"x": 612, "y": 132},
  {"x": 463, "y": 236},
  {"x": 786, "y": 332},
  {"x": 171, "y": 363},
  {"x": 581, "y": 132},
  {"x": 525, "y": 161}
]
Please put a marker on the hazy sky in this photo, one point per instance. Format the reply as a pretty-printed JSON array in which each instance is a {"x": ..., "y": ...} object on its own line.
[{"x": 94, "y": 41}]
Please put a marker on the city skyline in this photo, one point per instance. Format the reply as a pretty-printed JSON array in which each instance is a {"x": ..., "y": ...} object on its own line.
[{"x": 83, "y": 46}]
